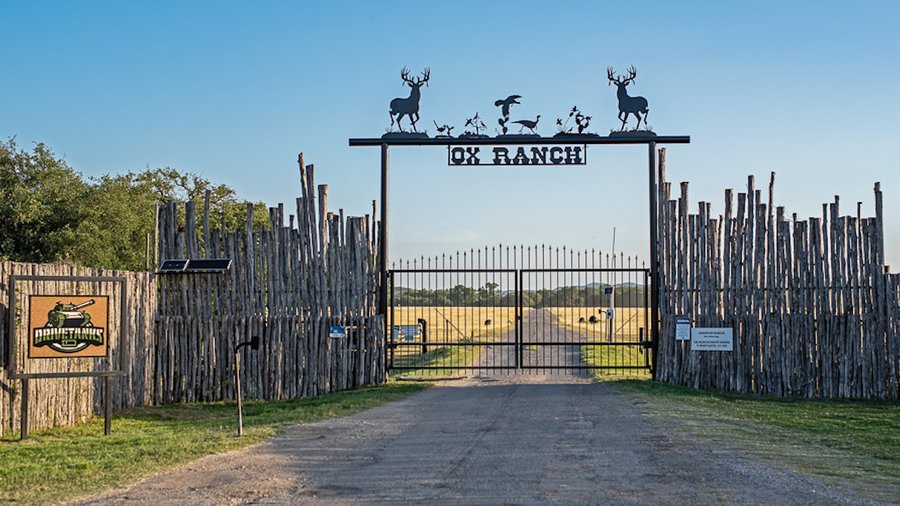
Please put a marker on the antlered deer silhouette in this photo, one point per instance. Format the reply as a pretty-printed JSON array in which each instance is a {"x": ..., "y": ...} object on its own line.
[
  {"x": 628, "y": 105},
  {"x": 409, "y": 106}
]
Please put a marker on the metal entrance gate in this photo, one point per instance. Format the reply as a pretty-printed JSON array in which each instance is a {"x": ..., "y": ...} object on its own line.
[
  {"x": 554, "y": 319},
  {"x": 584, "y": 319}
]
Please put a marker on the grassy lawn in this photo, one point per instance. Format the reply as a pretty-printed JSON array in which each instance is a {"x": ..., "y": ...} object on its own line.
[
  {"x": 67, "y": 463},
  {"x": 597, "y": 355},
  {"x": 855, "y": 444}
]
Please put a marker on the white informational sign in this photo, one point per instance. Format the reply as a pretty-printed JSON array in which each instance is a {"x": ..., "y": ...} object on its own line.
[
  {"x": 712, "y": 339},
  {"x": 337, "y": 332},
  {"x": 406, "y": 332},
  {"x": 682, "y": 328}
]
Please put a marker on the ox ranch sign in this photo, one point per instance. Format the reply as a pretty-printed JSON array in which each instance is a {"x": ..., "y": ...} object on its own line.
[{"x": 519, "y": 155}]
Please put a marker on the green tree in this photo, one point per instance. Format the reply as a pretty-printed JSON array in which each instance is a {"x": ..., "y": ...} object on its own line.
[
  {"x": 115, "y": 233},
  {"x": 170, "y": 184},
  {"x": 42, "y": 201},
  {"x": 50, "y": 213}
]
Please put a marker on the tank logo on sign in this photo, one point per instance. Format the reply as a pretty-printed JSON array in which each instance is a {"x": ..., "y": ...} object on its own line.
[{"x": 68, "y": 327}]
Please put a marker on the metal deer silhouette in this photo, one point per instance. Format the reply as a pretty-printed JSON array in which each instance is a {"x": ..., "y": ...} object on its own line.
[
  {"x": 409, "y": 106},
  {"x": 628, "y": 105}
]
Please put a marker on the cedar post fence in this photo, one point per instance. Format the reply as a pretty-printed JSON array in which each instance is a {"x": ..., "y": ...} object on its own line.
[
  {"x": 813, "y": 307},
  {"x": 288, "y": 284},
  {"x": 815, "y": 312}
]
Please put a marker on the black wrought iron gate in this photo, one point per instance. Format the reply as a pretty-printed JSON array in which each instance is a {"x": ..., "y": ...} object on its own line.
[{"x": 443, "y": 320}]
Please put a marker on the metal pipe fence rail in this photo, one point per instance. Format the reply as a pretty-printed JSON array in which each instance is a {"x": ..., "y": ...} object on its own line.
[{"x": 481, "y": 311}]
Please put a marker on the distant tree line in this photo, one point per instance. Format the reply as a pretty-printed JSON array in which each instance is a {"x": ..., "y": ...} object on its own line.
[
  {"x": 489, "y": 295},
  {"x": 51, "y": 213}
]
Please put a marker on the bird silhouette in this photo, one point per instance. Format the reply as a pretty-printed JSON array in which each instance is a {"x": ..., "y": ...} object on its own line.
[
  {"x": 505, "y": 104},
  {"x": 443, "y": 130},
  {"x": 527, "y": 123},
  {"x": 476, "y": 123}
]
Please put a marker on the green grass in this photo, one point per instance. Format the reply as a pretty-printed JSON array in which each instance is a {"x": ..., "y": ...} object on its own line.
[
  {"x": 66, "y": 463},
  {"x": 437, "y": 356},
  {"x": 855, "y": 444},
  {"x": 600, "y": 355}
]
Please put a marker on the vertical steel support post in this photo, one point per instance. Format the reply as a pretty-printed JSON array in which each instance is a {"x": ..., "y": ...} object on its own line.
[
  {"x": 423, "y": 323},
  {"x": 107, "y": 405},
  {"x": 237, "y": 392},
  {"x": 23, "y": 430},
  {"x": 389, "y": 337},
  {"x": 383, "y": 249},
  {"x": 654, "y": 258}
]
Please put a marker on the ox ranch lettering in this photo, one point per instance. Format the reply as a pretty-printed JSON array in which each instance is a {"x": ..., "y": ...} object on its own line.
[{"x": 523, "y": 155}]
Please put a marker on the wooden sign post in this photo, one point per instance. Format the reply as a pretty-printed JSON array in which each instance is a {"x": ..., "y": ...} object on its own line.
[{"x": 65, "y": 327}]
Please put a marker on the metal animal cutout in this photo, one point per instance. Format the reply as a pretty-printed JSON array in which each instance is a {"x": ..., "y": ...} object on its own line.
[
  {"x": 504, "y": 106},
  {"x": 628, "y": 105},
  {"x": 409, "y": 106},
  {"x": 443, "y": 130},
  {"x": 527, "y": 123},
  {"x": 476, "y": 124}
]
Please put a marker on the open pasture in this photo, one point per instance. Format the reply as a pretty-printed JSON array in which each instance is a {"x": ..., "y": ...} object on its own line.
[
  {"x": 456, "y": 323},
  {"x": 627, "y": 324},
  {"x": 455, "y": 335},
  {"x": 616, "y": 358}
]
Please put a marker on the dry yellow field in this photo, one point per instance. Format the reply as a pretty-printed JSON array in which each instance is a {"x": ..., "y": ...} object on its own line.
[
  {"x": 448, "y": 325},
  {"x": 628, "y": 321},
  {"x": 457, "y": 324},
  {"x": 460, "y": 325}
]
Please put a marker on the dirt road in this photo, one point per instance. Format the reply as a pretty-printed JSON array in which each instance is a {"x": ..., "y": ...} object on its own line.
[
  {"x": 539, "y": 327},
  {"x": 506, "y": 440}
]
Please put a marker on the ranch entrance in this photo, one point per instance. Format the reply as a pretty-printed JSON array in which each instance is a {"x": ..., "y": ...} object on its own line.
[
  {"x": 508, "y": 309},
  {"x": 525, "y": 308}
]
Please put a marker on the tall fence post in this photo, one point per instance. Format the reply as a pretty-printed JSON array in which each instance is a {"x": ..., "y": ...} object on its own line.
[
  {"x": 383, "y": 249},
  {"x": 654, "y": 258}
]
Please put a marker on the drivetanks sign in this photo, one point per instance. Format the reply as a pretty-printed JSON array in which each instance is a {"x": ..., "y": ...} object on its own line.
[{"x": 68, "y": 326}]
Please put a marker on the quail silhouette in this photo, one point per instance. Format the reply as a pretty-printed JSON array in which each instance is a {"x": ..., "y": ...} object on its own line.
[{"x": 527, "y": 123}]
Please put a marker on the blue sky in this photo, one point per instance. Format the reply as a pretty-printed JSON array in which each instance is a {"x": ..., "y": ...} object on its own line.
[{"x": 234, "y": 90}]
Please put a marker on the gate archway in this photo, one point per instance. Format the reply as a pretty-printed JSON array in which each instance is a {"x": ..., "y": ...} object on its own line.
[{"x": 519, "y": 342}]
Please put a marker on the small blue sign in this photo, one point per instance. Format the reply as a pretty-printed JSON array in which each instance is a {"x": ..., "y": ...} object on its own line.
[
  {"x": 608, "y": 290},
  {"x": 337, "y": 332}
]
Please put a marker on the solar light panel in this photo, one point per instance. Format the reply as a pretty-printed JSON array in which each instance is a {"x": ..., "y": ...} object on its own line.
[
  {"x": 208, "y": 265},
  {"x": 172, "y": 266}
]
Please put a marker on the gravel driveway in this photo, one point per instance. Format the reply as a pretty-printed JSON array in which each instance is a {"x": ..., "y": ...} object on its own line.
[{"x": 527, "y": 439}]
